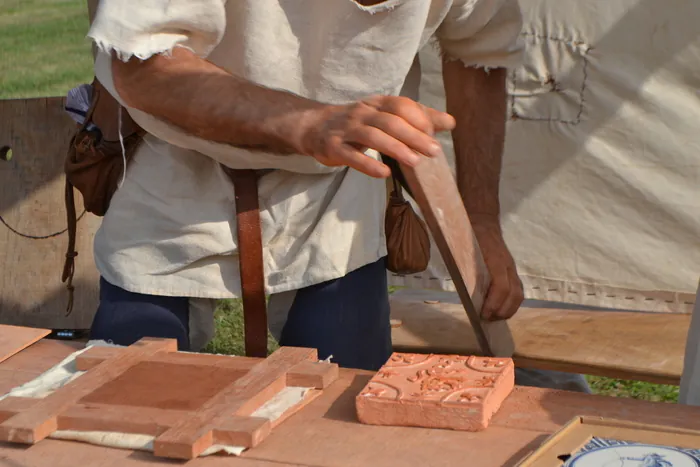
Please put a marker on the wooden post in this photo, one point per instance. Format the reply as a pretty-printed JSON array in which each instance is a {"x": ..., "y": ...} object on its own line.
[{"x": 690, "y": 379}]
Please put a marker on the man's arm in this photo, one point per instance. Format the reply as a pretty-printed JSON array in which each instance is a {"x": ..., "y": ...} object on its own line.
[
  {"x": 210, "y": 103},
  {"x": 477, "y": 100}
]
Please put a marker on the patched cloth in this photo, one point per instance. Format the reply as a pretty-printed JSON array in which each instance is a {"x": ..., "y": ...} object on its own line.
[{"x": 170, "y": 229}]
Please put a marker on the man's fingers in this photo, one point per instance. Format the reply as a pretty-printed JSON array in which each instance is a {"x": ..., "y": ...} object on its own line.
[
  {"x": 371, "y": 137},
  {"x": 396, "y": 126},
  {"x": 441, "y": 121},
  {"x": 495, "y": 297},
  {"x": 407, "y": 121},
  {"x": 403, "y": 133},
  {"x": 508, "y": 307},
  {"x": 515, "y": 298},
  {"x": 504, "y": 297},
  {"x": 350, "y": 156},
  {"x": 406, "y": 109},
  {"x": 425, "y": 119}
]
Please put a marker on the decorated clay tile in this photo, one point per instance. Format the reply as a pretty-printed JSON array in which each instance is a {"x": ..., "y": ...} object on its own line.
[{"x": 436, "y": 391}]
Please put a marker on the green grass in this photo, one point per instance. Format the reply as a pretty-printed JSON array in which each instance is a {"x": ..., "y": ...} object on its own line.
[
  {"x": 44, "y": 52},
  {"x": 633, "y": 389},
  {"x": 229, "y": 330},
  {"x": 43, "y": 49}
]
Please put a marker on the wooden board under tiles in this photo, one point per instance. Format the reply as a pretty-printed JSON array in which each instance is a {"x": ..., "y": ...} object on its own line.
[
  {"x": 14, "y": 339},
  {"x": 618, "y": 344},
  {"x": 435, "y": 190},
  {"x": 33, "y": 237},
  {"x": 188, "y": 402}
]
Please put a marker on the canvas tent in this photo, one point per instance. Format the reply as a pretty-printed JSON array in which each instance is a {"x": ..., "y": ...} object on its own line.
[{"x": 601, "y": 181}]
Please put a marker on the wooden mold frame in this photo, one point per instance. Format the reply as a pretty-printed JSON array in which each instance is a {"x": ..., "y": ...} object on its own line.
[
  {"x": 568, "y": 441},
  {"x": 188, "y": 402}
]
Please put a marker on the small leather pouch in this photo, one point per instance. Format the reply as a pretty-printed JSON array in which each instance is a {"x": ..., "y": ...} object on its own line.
[{"x": 407, "y": 239}]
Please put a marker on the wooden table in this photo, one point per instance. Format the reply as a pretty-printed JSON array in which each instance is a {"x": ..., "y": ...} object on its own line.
[
  {"x": 617, "y": 344},
  {"x": 326, "y": 433}
]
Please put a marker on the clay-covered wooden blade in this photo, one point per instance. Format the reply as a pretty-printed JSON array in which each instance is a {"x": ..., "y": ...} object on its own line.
[{"x": 435, "y": 190}]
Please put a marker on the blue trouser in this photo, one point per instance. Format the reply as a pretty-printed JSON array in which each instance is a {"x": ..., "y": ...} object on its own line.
[
  {"x": 347, "y": 318},
  {"x": 125, "y": 317}
]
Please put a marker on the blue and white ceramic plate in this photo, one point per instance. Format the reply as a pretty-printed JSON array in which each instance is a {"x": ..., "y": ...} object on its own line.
[{"x": 613, "y": 453}]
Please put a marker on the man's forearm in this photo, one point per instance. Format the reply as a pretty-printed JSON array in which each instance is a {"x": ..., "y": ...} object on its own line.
[
  {"x": 477, "y": 101},
  {"x": 210, "y": 103}
]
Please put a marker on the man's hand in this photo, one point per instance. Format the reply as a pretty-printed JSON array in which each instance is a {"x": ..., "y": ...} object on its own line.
[
  {"x": 395, "y": 126},
  {"x": 505, "y": 293},
  {"x": 477, "y": 99}
]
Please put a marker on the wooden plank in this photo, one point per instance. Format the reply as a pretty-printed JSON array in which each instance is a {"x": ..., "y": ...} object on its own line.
[
  {"x": 236, "y": 431},
  {"x": 627, "y": 345},
  {"x": 14, "y": 339},
  {"x": 241, "y": 431},
  {"x": 690, "y": 379},
  {"x": 41, "y": 420},
  {"x": 101, "y": 417},
  {"x": 435, "y": 190},
  {"x": 11, "y": 406},
  {"x": 33, "y": 239},
  {"x": 118, "y": 419},
  {"x": 43, "y": 354},
  {"x": 306, "y": 374},
  {"x": 96, "y": 355},
  {"x": 191, "y": 437},
  {"x": 312, "y": 375}
]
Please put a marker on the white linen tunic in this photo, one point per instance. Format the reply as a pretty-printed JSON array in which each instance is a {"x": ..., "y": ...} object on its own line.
[{"x": 170, "y": 229}]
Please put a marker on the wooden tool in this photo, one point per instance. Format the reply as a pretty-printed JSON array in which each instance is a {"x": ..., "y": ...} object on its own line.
[
  {"x": 187, "y": 402},
  {"x": 434, "y": 188}
]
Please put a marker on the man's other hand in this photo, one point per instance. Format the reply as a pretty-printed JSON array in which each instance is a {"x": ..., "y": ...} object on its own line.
[
  {"x": 505, "y": 293},
  {"x": 395, "y": 126}
]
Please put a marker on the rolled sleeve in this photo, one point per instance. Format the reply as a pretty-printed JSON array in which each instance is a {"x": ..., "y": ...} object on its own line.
[
  {"x": 485, "y": 33},
  {"x": 144, "y": 28},
  {"x": 128, "y": 28}
]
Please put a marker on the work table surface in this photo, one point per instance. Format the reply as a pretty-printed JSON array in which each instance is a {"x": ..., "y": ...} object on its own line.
[{"x": 327, "y": 433}]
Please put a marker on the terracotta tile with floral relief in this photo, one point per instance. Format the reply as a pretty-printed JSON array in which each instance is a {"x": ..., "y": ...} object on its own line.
[{"x": 436, "y": 391}]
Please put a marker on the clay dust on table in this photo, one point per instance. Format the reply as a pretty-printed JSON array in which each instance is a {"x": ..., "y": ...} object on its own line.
[{"x": 436, "y": 391}]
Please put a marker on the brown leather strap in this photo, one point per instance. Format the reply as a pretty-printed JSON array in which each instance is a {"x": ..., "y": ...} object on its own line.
[
  {"x": 69, "y": 265},
  {"x": 250, "y": 260},
  {"x": 71, "y": 216}
]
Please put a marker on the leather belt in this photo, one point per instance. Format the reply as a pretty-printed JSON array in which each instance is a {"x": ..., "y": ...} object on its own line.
[{"x": 250, "y": 260}]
